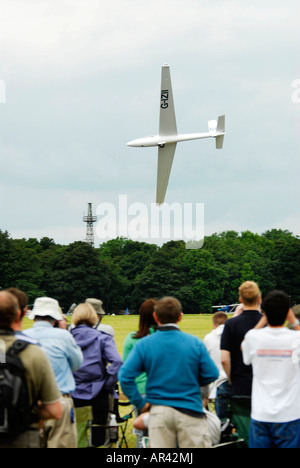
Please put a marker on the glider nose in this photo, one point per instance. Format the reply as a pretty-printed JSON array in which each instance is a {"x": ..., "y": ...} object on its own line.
[
  {"x": 132, "y": 143},
  {"x": 146, "y": 141},
  {"x": 137, "y": 143}
]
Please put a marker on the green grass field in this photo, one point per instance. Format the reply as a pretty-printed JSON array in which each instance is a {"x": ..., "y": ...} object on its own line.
[{"x": 198, "y": 325}]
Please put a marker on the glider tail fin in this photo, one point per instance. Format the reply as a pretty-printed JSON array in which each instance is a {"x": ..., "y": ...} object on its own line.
[{"x": 220, "y": 132}]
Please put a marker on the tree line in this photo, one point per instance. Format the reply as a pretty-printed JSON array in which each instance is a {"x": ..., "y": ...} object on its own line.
[{"x": 123, "y": 272}]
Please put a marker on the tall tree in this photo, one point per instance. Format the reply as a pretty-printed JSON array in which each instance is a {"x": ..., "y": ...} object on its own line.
[
  {"x": 4, "y": 255},
  {"x": 72, "y": 273}
]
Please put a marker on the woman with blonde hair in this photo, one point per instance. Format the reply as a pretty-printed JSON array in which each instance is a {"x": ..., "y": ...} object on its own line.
[
  {"x": 96, "y": 378},
  {"x": 84, "y": 314}
]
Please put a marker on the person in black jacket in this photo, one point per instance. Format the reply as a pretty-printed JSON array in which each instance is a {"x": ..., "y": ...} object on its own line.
[{"x": 240, "y": 375}]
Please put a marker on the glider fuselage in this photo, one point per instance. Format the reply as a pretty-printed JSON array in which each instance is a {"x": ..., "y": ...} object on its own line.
[{"x": 158, "y": 140}]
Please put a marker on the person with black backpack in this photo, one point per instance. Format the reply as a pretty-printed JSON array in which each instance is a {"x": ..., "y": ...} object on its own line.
[{"x": 28, "y": 390}]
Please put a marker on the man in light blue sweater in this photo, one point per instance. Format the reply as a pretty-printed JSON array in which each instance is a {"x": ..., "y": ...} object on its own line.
[
  {"x": 65, "y": 357},
  {"x": 177, "y": 365}
]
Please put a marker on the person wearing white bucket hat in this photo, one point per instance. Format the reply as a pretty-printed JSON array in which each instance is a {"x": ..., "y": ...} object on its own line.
[
  {"x": 46, "y": 307},
  {"x": 65, "y": 358}
]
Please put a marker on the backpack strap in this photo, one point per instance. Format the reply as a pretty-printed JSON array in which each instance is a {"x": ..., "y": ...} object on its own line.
[
  {"x": 12, "y": 357},
  {"x": 17, "y": 347}
]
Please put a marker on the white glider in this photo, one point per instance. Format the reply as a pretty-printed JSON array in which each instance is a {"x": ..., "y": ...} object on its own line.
[{"x": 167, "y": 138}]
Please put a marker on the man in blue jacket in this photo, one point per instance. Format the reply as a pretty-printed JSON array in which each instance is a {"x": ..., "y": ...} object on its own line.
[{"x": 177, "y": 365}]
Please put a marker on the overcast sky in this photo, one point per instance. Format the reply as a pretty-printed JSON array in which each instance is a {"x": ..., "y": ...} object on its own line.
[{"x": 79, "y": 79}]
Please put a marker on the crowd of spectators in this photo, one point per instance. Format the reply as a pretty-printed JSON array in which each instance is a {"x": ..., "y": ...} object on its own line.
[{"x": 248, "y": 366}]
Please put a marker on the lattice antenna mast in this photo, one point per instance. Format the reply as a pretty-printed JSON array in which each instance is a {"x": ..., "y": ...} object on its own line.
[{"x": 90, "y": 220}]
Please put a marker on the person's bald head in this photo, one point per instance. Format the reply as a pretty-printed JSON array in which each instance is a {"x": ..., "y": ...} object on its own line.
[{"x": 9, "y": 309}]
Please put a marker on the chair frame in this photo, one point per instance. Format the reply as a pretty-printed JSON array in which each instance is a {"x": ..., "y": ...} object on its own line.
[{"x": 122, "y": 423}]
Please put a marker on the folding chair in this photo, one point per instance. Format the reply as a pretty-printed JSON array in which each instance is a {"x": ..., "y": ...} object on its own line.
[
  {"x": 122, "y": 419},
  {"x": 84, "y": 421},
  {"x": 229, "y": 436},
  {"x": 84, "y": 418},
  {"x": 122, "y": 423}
]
